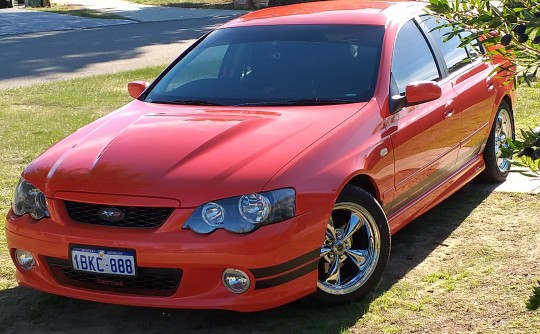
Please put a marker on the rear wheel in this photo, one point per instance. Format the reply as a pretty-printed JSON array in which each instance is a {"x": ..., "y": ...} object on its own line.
[
  {"x": 497, "y": 167},
  {"x": 355, "y": 249}
]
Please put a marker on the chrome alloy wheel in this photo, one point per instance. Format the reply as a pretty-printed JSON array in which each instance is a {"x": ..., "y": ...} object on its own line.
[
  {"x": 503, "y": 130},
  {"x": 350, "y": 250}
]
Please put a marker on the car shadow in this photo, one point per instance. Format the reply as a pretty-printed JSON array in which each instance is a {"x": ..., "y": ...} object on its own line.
[{"x": 26, "y": 310}]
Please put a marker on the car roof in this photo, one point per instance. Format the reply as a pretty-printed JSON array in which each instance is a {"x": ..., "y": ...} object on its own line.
[{"x": 370, "y": 12}]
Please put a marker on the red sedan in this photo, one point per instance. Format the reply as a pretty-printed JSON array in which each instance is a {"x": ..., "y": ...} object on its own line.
[{"x": 272, "y": 160}]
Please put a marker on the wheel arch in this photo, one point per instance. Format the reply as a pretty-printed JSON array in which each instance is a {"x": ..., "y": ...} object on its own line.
[
  {"x": 364, "y": 181},
  {"x": 506, "y": 98}
]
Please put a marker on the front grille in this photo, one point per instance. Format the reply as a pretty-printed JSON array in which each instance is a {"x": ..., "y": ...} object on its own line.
[
  {"x": 88, "y": 213},
  {"x": 148, "y": 282}
]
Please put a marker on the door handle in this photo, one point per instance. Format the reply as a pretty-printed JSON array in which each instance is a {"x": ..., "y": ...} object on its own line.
[
  {"x": 490, "y": 85},
  {"x": 449, "y": 109},
  {"x": 387, "y": 132}
]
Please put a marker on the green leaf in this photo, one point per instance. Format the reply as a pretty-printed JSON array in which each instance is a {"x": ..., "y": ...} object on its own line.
[
  {"x": 512, "y": 143},
  {"x": 527, "y": 15},
  {"x": 533, "y": 33},
  {"x": 511, "y": 18},
  {"x": 507, "y": 152},
  {"x": 495, "y": 23},
  {"x": 485, "y": 18}
]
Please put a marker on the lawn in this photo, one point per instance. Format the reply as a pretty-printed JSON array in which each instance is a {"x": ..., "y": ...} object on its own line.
[
  {"x": 75, "y": 10},
  {"x": 215, "y": 4},
  {"x": 468, "y": 266}
]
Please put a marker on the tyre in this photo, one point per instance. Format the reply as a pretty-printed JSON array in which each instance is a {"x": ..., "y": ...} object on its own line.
[
  {"x": 497, "y": 167},
  {"x": 355, "y": 249}
]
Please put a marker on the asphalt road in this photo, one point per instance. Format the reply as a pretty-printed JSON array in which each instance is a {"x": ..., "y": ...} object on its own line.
[{"x": 27, "y": 59}]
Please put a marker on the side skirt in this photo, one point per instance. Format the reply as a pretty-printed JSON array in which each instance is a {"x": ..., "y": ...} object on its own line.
[{"x": 399, "y": 219}]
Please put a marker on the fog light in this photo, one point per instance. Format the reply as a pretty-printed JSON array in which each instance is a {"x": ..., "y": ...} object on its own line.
[
  {"x": 235, "y": 280},
  {"x": 25, "y": 259}
]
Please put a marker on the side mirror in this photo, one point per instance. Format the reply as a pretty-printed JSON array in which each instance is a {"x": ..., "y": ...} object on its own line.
[
  {"x": 135, "y": 88},
  {"x": 422, "y": 91}
]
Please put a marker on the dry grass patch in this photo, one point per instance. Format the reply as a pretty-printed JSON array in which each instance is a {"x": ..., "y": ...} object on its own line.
[
  {"x": 206, "y": 4},
  {"x": 75, "y": 10}
]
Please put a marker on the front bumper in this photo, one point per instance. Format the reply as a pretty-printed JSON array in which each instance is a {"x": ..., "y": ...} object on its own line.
[{"x": 281, "y": 260}]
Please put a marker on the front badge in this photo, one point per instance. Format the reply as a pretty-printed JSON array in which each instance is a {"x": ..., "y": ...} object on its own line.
[{"x": 111, "y": 214}]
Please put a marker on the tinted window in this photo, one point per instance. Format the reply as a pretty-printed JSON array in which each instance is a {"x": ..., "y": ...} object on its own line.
[
  {"x": 454, "y": 55},
  {"x": 273, "y": 64},
  {"x": 475, "y": 48},
  {"x": 412, "y": 59}
]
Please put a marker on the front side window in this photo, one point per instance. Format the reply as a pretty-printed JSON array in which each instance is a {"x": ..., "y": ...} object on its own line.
[
  {"x": 412, "y": 59},
  {"x": 275, "y": 65}
]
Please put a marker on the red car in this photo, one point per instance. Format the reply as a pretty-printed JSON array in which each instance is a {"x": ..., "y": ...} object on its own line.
[{"x": 272, "y": 160}]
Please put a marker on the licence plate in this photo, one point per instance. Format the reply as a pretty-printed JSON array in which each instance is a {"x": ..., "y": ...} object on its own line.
[{"x": 103, "y": 261}]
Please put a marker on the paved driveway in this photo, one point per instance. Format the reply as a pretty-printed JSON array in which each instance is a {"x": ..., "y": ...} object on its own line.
[{"x": 39, "y": 47}]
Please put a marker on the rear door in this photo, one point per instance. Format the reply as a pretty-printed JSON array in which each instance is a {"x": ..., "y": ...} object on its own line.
[{"x": 475, "y": 91}]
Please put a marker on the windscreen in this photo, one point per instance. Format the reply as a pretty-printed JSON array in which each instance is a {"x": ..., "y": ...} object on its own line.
[{"x": 276, "y": 65}]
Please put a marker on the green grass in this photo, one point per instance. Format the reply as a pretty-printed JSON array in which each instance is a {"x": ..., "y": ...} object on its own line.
[
  {"x": 528, "y": 107},
  {"x": 206, "y": 4},
  {"x": 469, "y": 265},
  {"x": 74, "y": 10}
]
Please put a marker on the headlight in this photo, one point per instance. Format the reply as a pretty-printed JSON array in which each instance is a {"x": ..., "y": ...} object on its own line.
[
  {"x": 29, "y": 199},
  {"x": 244, "y": 213}
]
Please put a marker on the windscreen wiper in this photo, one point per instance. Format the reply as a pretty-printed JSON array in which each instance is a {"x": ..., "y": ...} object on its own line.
[
  {"x": 187, "y": 102},
  {"x": 318, "y": 101},
  {"x": 299, "y": 102}
]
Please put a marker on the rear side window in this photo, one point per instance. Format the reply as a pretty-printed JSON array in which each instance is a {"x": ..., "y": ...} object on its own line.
[
  {"x": 412, "y": 59},
  {"x": 454, "y": 55}
]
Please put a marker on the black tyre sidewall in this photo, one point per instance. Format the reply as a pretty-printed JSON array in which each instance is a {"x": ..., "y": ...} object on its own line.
[
  {"x": 359, "y": 196},
  {"x": 492, "y": 173}
]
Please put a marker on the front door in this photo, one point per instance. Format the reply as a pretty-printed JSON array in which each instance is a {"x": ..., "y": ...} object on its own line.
[{"x": 426, "y": 140}]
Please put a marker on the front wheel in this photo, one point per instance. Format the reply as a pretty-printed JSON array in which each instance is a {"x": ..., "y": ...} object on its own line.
[
  {"x": 355, "y": 249},
  {"x": 498, "y": 167}
]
